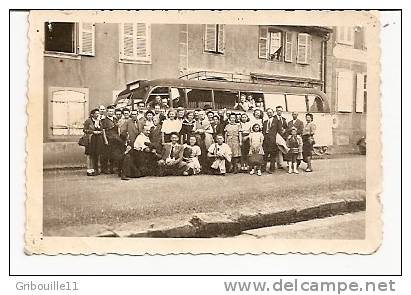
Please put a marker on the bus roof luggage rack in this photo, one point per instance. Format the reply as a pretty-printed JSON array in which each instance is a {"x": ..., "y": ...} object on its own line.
[{"x": 218, "y": 76}]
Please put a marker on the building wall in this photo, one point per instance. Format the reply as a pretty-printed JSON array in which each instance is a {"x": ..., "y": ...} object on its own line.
[
  {"x": 349, "y": 126},
  {"x": 241, "y": 54},
  {"x": 103, "y": 73}
]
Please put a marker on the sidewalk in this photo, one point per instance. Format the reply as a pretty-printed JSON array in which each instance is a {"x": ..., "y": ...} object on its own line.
[{"x": 78, "y": 205}]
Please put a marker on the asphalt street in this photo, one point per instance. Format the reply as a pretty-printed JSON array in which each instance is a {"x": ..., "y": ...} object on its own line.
[{"x": 72, "y": 199}]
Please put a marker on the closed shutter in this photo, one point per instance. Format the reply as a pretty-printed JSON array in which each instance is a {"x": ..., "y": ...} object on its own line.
[
  {"x": 359, "y": 97},
  {"x": 210, "y": 38},
  {"x": 127, "y": 51},
  {"x": 303, "y": 48},
  {"x": 221, "y": 39},
  {"x": 135, "y": 42},
  {"x": 345, "y": 91},
  {"x": 288, "y": 55},
  {"x": 87, "y": 39},
  {"x": 263, "y": 42}
]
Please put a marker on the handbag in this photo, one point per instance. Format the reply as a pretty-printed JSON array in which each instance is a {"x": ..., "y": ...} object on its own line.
[{"x": 83, "y": 141}]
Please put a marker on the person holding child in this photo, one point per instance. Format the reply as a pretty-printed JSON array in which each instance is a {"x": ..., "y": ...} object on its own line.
[
  {"x": 295, "y": 143},
  {"x": 220, "y": 154},
  {"x": 256, "y": 154}
]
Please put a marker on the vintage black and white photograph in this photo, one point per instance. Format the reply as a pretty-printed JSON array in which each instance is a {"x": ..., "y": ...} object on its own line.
[{"x": 245, "y": 131}]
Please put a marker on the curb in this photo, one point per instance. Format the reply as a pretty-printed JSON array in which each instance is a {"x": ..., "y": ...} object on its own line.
[{"x": 215, "y": 224}]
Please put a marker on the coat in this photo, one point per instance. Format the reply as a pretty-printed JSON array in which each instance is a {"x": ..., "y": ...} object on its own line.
[
  {"x": 130, "y": 130},
  {"x": 298, "y": 124},
  {"x": 178, "y": 152}
]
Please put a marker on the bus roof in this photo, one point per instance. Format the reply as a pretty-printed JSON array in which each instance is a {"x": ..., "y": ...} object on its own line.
[{"x": 227, "y": 85}]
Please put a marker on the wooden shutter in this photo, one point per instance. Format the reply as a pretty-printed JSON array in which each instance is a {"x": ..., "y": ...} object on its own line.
[
  {"x": 87, "y": 39},
  {"x": 345, "y": 91},
  {"x": 127, "y": 47},
  {"x": 303, "y": 47},
  {"x": 288, "y": 54},
  {"x": 143, "y": 42},
  {"x": 210, "y": 38},
  {"x": 359, "y": 97},
  {"x": 221, "y": 39},
  {"x": 263, "y": 42}
]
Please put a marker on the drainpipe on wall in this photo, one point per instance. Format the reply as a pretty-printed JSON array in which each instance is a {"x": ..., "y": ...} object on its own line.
[{"x": 324, "y": 62}]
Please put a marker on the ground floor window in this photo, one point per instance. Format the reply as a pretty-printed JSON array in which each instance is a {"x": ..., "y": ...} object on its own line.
[{"x": 68, "y": 110}]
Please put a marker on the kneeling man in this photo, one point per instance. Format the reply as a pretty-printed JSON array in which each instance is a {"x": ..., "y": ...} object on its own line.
[
  {"x": 171, "y": 162},
  {"x": 220, "y": 154}
]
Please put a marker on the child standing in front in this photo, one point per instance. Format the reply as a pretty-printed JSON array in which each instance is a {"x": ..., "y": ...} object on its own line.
[
  {"x": 256, "y": 153},
  {"x": 191, "y": 156},
  {"x": 295, "y": 143},
  {"x": 234, "y": 140}
]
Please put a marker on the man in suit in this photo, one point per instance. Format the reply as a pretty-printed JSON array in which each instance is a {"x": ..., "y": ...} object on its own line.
[
  {"x": 270, "y": 129},
  {"x": 171, "y": 162},
  {"x": 112, "y": 141},
  {"x": 131, "y": 128},
  {"x": 297, "y": 123}
]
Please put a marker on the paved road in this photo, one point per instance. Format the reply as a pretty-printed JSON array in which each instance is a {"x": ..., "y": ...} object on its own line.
[
  {"x": 72, "y": 199},
  {"x": 339, "y": 227}
]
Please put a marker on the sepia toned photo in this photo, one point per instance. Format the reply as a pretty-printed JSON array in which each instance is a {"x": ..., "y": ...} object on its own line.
[{"x": 167, "y": 132}]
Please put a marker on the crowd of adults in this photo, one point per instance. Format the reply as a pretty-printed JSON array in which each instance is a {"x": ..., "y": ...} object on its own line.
[{"x": 166, "y": 141}]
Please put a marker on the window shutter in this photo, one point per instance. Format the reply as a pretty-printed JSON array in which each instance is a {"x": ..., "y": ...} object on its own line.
[
  {"x": 210, "y": 38},
  {"x": 221, "y": 39},
  {"x": 345, "y": 91},
  {"x": 309, "y": 48},
  {"x": 288, "y": 56},
  {"x": 302, "y": 53},
  {"x": 263, "y": 42},
  {"x": 359, "y": 97},
  {"x": 142, "y": 42},
  {"x": 87, "y": 39},
  {"x": 127, "y": 48}
]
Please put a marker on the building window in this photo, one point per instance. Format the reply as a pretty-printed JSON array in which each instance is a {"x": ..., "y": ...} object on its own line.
[
  {"x": 304, "y": 48},
  {"x": 345, "y": 91},
  {"x": 69, "y": 38},
  {"x": 69, "y": 110},
  {"x": 359, "y": 38},
  {"x": 270, "y": 44},
  {"x": 344, "y": 35},
  {"x": 361, "y": 94},
  {"x": 214, "y": 38},
  {"x": 135, "y": 42}
]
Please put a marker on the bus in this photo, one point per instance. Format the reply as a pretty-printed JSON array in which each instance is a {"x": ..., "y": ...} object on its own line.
[{"x": 217, "y": 95}]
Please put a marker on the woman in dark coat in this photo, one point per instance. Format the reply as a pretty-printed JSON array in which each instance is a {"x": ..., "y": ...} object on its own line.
[{"x": 95, "y": 146}]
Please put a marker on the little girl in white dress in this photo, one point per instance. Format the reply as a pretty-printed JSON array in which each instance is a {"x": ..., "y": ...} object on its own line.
[{"x": 191, "y": 157}]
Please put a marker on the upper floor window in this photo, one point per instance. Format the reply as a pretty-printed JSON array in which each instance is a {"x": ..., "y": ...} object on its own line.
[
  {"x": 214, "y": 38},
  {"x": 68, "y": 38},
  {"x": 345, "y": 35},
  {"x": 135, "y": 42},
  {"x": 270, "y": 43},
  {"x": 359, "y": 38}
]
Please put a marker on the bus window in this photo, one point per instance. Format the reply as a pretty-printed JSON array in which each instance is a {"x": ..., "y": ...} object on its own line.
[
  {"x": 296, "y": 103},
  {"x": 159, "y": 95},
  {"x": 255, "y": 99},
  {"x": 198, "y": 98},
  {"x": 272, "y": 100},
  {"x": 315, "y": 104},
  {"x": 225, "y": 99},
  {"x": 178, "y": 97}
]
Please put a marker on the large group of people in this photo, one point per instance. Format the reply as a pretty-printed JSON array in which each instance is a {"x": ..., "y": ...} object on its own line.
[{"x": 163, "y": 141}]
